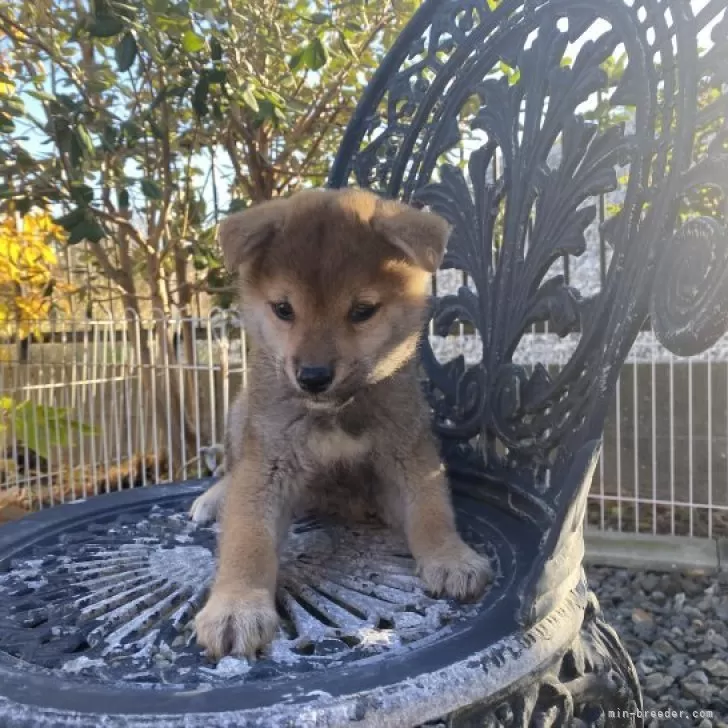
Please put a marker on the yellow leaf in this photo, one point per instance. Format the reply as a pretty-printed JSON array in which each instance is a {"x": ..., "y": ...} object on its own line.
[{"x": 27, "y": 267}]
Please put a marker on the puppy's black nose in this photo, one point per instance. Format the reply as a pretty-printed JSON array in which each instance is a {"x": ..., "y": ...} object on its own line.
[{"x": 314, "y": 379}]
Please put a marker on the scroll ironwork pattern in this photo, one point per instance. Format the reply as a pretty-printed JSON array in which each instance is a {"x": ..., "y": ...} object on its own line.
[{"x": 481, "y": 113}]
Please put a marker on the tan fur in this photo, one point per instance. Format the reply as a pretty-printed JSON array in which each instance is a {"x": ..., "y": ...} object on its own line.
[
  {"x": 362, "y": 448},
  {"x": 336, "y": 446}
]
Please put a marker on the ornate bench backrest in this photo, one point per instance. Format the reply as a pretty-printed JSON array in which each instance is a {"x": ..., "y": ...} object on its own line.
[{"x": 500, "y": 115}]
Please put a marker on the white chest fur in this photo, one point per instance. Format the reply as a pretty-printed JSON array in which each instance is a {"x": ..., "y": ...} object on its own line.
[{"x": 329, "y": 446}]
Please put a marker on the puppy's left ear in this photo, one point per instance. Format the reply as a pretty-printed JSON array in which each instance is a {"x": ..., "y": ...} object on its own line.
[{"x": 422, "y": 236}]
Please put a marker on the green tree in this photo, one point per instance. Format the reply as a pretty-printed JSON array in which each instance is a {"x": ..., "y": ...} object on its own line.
[{"x": 135, "y": 121}]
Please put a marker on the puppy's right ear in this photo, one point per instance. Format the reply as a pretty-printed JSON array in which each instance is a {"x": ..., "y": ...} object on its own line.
[
  {"x": 244, "y": 233},
  {"x": 422, "y": 236}
]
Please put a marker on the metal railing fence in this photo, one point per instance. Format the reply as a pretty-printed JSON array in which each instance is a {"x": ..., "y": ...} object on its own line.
[{"x": 105, "y": 405}]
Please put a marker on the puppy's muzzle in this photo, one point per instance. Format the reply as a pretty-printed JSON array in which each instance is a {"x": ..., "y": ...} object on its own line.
[{"x": 314, "y": 379}]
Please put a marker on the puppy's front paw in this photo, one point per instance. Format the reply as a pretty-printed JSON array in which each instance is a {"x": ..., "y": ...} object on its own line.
[
  {"x": 236, "y": 624},
  {"x": 206, "y": 507},
  {"x": 455, "y": 570}
]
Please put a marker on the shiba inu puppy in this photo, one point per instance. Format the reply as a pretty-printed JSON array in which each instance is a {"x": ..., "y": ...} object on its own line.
[{"x": 333, "y": 292}]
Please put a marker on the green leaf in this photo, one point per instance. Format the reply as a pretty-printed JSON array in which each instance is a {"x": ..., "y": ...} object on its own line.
[
  {"x": 100, "y": 7},
  {"x": 266, "y": 110},
  {"x": 132, "y": 132},
  {"x": 71, "y": 219},
  {"x": 88, "y": 229},
  {"x": 126, "y": 52},
  {"x": 295, "y": 61},
  {"x": 315, "y": 55},
  {"x": 148, "y": 41},
  {"x": 75, "y": 151},
  {"x": 7, "y": 125},
  {"x": 151, "y": 190},
  {"x": 99, "y": 84},
  {"x": 199, "y": 262},
  {"x": 41, "y": 428},
  {"x": 320, "y": 18},
  {"x": 23, "y": 205},
  {"x": 215, "y": 50},
  {"x": 84, "y": 138},
  {"x": 276, "y": 99},
  {"x": 105, "y": 26},
  {"x": 199, "y": 97},
  {"x": 40, "y": 96},
  {"x": 71, "y": 103},
  {"x": 512, "y": 74},
  {"x": 493, "y": 4},
  {"x": 270, "y": 111},
  {"x": 191, "y": 42},
  {"x": 82, "y": 23},
  {"x": 237, "y": 205},
  {"x": 217, "y": 75},
  {"x": 346, "y": 46},
  {"x": 108, "y": 138},
  {"x": 83, "y": 194},
  {"x": 14, "y": 105},
  {"x": 32, "y": 432},
  {"x": 160, "y": 6},
  {"x": 249, "y": 99},
  {"x": 125, "y": 10}
]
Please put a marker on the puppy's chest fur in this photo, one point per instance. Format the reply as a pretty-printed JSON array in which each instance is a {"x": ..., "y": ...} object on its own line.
[
  {"x": 316, "y": 440},
  {"x": 338, "y": 457},
  {"x": 331, "y": 443}
]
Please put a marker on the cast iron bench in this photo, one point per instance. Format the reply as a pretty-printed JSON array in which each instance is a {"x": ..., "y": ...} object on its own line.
[{"x": 96, "y": 598}]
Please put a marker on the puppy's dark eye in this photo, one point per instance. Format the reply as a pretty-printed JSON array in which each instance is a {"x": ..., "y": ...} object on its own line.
[
  {"x": 361, "y": 312},
  {"x": 283, "y": 310}
]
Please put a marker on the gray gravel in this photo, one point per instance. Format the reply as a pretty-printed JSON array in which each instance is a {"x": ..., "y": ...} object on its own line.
[{"x": 675, "y": 627}]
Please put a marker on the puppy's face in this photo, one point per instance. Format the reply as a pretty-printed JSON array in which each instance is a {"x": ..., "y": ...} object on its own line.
[{"x": 334, "y": 286}]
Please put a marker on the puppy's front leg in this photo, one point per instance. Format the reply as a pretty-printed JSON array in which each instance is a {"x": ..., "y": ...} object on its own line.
[
  {"x": 206, "y": 507},
  {"x": 240, "y": 615},
  {"x": 444, "y": 561}
]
